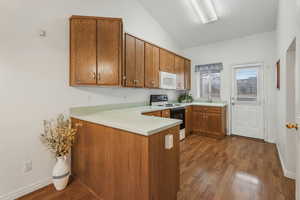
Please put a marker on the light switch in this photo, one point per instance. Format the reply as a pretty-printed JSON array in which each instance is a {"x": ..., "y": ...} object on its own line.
[{"x": 169, "y": 141}]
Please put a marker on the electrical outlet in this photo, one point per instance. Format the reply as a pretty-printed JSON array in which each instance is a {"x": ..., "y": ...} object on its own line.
[{"x": 27, "y": 166}]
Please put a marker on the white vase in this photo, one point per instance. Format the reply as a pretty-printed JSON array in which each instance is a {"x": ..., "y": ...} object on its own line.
[{"x": 61, "y": 173}]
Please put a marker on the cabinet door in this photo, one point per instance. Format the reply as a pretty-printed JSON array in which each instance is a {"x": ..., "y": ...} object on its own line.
[
  {"x": 188, "y": 120},
  {"x": 167, "y": 61},
  {"x": 151, "y": 66},
  {"x": 108, "y": 51},
  {"x": 139, "y": 63},
  {"x": 130, "y": 60},
  {"x": 187, "y": 74},
  {"x": 198, "y": 122},
  {"x": 179, "y": 70},
  {"x": 214, "y": 124},
  {"x": 83, "y": 58}
]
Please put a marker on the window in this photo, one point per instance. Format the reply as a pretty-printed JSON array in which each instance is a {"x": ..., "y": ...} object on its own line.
[
  {"x": 209, "y": 81},
  {"x": 210, "y": 85},
  {"x": 246, "y": 84}
]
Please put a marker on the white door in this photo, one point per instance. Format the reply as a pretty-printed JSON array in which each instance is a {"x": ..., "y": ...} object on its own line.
[{"x": 246, "y": 101}]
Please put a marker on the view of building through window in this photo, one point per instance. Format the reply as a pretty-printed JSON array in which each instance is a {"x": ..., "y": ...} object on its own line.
[{"x": 246, "y": 84}]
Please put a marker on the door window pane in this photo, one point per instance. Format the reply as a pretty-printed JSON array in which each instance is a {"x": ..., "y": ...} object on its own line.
[{"x": 246, "y": 84}]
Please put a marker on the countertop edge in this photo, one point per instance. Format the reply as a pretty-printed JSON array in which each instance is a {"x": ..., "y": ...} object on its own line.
[{"x": 131, "y": 130}]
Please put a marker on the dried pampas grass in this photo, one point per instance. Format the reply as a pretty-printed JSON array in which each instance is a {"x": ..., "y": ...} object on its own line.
[{"x": 59, "y": 136}]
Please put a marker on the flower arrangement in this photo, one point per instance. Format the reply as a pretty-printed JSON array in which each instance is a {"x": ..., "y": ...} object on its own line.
[{"x": 59, "y": 136}]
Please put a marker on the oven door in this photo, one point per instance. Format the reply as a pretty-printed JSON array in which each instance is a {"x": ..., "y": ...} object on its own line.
[
  {"x": 179, "y": 113},
  {"x": 167, "y": 80}
]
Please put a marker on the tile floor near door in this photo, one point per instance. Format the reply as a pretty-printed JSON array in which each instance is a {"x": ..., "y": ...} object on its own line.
[{"x": 234, "y": 168}]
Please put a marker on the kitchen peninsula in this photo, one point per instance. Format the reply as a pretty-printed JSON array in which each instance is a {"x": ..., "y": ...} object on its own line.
[{"x": 122, "y": 153}]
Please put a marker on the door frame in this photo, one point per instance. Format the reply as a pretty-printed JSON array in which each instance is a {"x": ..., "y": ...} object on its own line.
[{"x": 261, "y": 98}]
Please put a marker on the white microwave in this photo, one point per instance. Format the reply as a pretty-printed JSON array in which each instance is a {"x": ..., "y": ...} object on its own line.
[{"x": 167, "y": 80}]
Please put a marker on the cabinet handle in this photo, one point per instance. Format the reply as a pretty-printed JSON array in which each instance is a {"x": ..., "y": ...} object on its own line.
[
  {"x": 79, "y": 124},
  {"x": 99, "y": 77},
  {"x": 94, "y": 75}
]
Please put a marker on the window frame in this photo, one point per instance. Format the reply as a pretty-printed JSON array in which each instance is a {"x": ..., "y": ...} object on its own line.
[
  {"x": 260, "y": 81},
  {"x": 199, "y": 86}
]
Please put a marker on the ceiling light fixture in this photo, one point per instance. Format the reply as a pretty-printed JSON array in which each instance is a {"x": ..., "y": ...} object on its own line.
[{"x": 205, "y": 9}]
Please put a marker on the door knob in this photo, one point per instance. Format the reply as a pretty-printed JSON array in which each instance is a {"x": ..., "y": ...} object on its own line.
[{"x": 292, "y": 125}]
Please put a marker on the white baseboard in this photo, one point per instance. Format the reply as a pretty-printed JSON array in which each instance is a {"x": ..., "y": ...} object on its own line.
[
  {"x": 287, "y": 173},
  {"x": 26, "y": 190}
]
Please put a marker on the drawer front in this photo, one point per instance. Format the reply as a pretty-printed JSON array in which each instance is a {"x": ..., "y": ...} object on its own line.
[
  {"x": 209, "y": 109},
  {"x": 165, "y": 113},
  {"x": 198, "y": 108},
  {"x": 214, "y": 109},
  {"x": 155, "y": 113}
]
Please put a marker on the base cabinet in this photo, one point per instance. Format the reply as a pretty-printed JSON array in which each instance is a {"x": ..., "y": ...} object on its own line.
[
  {"x": 209, "y": 121},
  {"x": 120, "y": 165}
]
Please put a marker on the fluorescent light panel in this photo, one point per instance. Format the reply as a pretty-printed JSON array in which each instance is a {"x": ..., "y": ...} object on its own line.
[{"x": 205, "y": 9}]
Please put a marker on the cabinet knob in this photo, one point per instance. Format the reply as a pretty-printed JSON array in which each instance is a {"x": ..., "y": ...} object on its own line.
[{"x": 152, "y": 82}]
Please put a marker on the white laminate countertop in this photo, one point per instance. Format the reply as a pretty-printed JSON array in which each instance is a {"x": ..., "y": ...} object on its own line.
[{"x": 132, "y": 120}]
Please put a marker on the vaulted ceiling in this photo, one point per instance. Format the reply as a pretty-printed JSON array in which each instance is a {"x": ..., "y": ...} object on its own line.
[{"x": 237, "y": 18}]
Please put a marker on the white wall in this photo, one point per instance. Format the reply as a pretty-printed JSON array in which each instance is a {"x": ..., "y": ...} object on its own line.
[
  {"x": 250, "y": 49},
  {"x": 34, "y": 78},
  {"x": 286, "y": 33}
]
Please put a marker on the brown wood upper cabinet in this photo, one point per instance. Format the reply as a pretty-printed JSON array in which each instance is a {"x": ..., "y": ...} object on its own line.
[
  {"x": 151, "y": 66},
  {"x": 187, "y": 74},
  {"x": 95, "y": 50},
  {"x": 180, "y": 71},
  {"x": 134, "y": 62},
  {"x": 167, "y": 61}
]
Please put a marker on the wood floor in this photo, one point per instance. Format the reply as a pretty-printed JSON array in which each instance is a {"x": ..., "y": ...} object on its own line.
[{"x": 234, "y": 168}]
